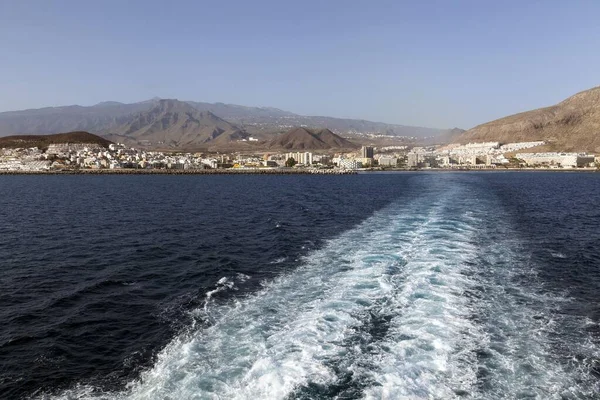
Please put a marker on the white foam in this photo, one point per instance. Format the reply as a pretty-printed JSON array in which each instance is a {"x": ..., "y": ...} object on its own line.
[
  {"x": 428, "y": 350},
  {"x": 278, "y": 260},
  {"x": 523, "y": 358},
  {"x": 288, "y": 334}
]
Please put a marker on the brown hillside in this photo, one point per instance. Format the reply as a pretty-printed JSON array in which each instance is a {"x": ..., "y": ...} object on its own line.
[
  {"x": 43, "y": 141},
  {"x": 304, "y": 139},
  {"x": 572, "y": 125},
  {"x": 176, "y": 124}
]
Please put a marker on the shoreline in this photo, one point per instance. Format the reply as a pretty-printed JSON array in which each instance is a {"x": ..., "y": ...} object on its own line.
[
  {"x": 491, "y": 170},
  {"x": 185, "y": 172},
  {"x": 283, "y": 171}
]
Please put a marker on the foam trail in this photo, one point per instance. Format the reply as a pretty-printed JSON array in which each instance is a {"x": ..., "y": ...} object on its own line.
[
  {"x": 411, "y": 303},
  {"x": 527, "y": 339},
  {"x": 428, "y": 351},
  {"x": 291, "y": 333},
  {"x": 222, "y": 285},
  {"x": 287, "y": 335},
  {"x": 493, "y": 335}
]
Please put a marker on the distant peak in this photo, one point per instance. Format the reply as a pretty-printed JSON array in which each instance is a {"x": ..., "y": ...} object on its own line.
[
  {"x": 177, "y": 106},
  {"x": 172, "y": 103},
  {"x": 108, "y": 104}
]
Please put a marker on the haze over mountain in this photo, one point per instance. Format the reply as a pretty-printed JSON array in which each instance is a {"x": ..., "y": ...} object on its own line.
[
  {"x": 304, "y": 139},
  {"x": 571, "y": 125},
  {"x": 96, "y": 119},
  {"x": 111, "y": 117}
]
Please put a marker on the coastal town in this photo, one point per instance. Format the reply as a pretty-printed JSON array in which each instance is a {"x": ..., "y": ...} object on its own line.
[{"x": 118, "y": 157}]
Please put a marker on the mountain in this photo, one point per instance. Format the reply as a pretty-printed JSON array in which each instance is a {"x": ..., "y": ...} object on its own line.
[
  {"x": 274, "y": 118},
  {"x": 109, "y": 117},
  {"x": 358, "y": 127},
  {"x": 109, "y": 104},
  {"x": 176, "y": 124},
  {"x": 304, "y": 139},
  {"x": 42, "y": 141},
  {"x": 237, "y": 113},
  {"x": 448, "y": 136},
  {"x": 571, "y": 125}
]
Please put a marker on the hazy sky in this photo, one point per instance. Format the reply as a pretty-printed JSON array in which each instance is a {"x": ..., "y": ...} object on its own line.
[{"x": 430, "y": 63}]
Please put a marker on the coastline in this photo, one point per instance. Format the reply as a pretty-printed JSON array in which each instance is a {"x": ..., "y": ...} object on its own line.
[
  {"x": 490, "y": 170},
  {"x": 185, "y": 172},
  {"x": 284, "y": 171}
]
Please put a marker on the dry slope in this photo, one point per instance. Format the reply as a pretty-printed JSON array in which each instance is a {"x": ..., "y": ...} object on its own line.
[
  {"x": 173, "y": 123},
  {"x": 304, "y": 139},
  {"x": 42, "y": 141},
  {"x": 572, "y": 125}
]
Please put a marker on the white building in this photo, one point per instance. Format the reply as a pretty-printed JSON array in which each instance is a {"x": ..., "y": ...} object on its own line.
[
  {"x": 301, "y": 158},
  {"x": 414, "y": 159},
  {"x": 564, "y": 160},
  {"x": 388, "y": 161},
  {"x": 349, "y": 163}
]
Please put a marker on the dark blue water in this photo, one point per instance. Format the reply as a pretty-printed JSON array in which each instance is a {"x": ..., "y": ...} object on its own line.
[{"x": 476, "y": 285}]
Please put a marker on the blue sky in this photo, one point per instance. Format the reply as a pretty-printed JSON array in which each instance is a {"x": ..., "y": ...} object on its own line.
[{"x": 430, "y": 63}]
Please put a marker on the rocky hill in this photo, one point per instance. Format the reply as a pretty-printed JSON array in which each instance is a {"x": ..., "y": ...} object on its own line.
[
  {"x": 305, "y": 139},
  {"x": 42, "y": 141},
  {"x": 176, "y": 124},
  {"x": 572, "y": 125}
]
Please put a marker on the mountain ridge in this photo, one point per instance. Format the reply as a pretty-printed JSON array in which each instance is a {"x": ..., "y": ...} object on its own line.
[{"x": 106, "y": 117}]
